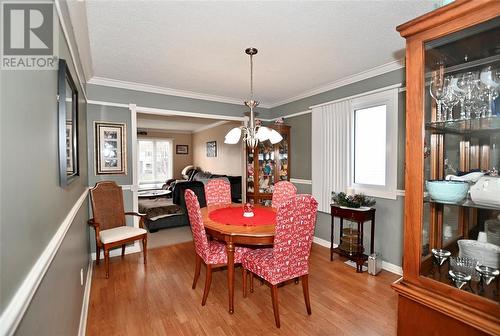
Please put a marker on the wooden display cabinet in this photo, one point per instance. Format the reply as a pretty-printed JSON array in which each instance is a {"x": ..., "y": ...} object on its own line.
[
  {"x": 266, "y": 165},
  {"x": 451, "y": 41}
]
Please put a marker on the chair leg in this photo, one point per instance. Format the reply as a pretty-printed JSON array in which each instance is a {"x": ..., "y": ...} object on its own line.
[
  {"x": 123, "y": 250},
  {"x": 98, "y": 254},
  {"x": 244, "y": 283},
  {"x": 145, "y": 249},
  {"x": 208, "y": 281},
  {"x": 251, "y": 282},
  {"x": 196, "y": 270},
  {"x": 106, "y": 261},
  {"x": 305, "y": 288},
  {"x": 274, "y": 297}
]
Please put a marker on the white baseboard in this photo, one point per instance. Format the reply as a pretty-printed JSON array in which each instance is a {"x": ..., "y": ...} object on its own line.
[
  {"x": 385, "y": 265},
  {"x": 14, "y": 312},
  {"x": 392, "y": 268},
  {"x": 118, "y": 251},
  {"x": 85, "y": 303}
]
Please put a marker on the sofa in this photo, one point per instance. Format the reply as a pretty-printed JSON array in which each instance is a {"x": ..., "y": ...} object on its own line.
[{"x": 165, "y": 212}]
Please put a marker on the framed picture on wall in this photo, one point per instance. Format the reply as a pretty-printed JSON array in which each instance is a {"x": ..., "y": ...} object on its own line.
[
  {"x": 212, "y": 149},
  {"x": 181, "y": 149},
  {"x": 110, "y": 148}
]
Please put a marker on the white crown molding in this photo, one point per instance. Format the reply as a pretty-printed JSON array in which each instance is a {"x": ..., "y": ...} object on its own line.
[
  {"x": 376, "y": 71},
  {"x": 158, "y": 111},
  {"x": 14, "y": 312},
  {"x": 160, "y": 130},
  {"x": 70, "y": 47},
  {"x": 85, "y": 302},
  {"x": 212, "y": 125},
  {"x": 105, "y": 103},
  {"x": 115, "y": 83},
  {"x": 300, "y": 181}
]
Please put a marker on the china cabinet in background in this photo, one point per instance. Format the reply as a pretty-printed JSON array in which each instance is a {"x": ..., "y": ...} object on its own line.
[
  {"x": 266, "y": 165},
  {"x": 452, "y": 129}
]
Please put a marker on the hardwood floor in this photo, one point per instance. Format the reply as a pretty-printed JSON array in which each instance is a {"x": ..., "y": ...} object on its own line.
[{"x": 157, "y": 299}]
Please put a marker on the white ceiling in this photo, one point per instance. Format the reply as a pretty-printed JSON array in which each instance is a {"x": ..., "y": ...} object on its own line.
[
  {"x": 198, "y": 46},
  {"x": 176, "y": 124}
]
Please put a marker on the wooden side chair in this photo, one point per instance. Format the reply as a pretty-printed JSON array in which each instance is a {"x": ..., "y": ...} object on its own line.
[
  {"x": 109, "y": 223},
  {"x": 289, "y": 257},
  {"x": 211, "y": 252},
  {"x": 283, "y": 190},
  {"x": 218, "y": 192}
]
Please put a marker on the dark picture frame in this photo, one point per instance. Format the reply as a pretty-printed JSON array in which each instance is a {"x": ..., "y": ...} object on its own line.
[
  {"x": 181, "y": 149},
  {"x": 212, "y": 149},
  {"x": 67, "y": 120},
  {"x": 110, "y": 148}
]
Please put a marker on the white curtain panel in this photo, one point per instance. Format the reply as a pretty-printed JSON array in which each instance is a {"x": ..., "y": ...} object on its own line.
[{"x": 331, "y": 150}]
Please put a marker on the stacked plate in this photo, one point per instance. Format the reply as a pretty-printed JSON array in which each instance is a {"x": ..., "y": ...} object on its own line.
[{"x": 485, "y": 253}]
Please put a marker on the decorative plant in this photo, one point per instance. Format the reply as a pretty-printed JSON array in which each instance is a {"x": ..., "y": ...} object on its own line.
[{"x": 352, "y": 201}]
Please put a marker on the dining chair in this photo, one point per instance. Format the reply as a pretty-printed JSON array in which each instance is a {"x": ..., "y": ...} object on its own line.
[
  {"x": 289, "y": 256},
  {"x": 218, "y": 192},
  {"x": 283, "y": 190},
  {"x": 211, "y": 252},
  {"x": 109, "y": 223}
]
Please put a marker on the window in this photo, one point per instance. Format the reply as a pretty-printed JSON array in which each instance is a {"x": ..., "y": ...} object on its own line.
[
  {"x": 155, "y": 160},
  {"x": 374, "y": 144}
]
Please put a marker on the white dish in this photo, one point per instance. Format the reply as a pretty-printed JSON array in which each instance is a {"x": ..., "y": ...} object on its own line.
[
  {"x": 487, "y": 254},
  {"x": 486, "y": 191},
  {"x": 248, "y": 214},
  {"x": 363, "y": 208}
]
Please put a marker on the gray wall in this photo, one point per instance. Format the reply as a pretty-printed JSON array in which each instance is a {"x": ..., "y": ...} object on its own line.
[
  {"x": 389, "y": 213},
  {"x": 34, "y": 205},
  {"x": 108, "y": 114}
]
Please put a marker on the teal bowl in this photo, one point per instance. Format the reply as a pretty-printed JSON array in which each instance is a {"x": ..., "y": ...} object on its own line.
[{"x": 447, "y": 191}]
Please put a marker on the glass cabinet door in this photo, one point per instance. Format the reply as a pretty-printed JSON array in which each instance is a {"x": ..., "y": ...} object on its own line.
[
  {"x": 461, "y": 227},
  {"x": 267, "y": 167}
]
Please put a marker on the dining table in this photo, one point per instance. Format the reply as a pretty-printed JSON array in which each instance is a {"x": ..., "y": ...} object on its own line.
[{"x": 226, "y": 223}]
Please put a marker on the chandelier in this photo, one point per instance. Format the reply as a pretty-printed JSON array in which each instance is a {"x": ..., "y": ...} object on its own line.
[{"x": 252, "y": 133}]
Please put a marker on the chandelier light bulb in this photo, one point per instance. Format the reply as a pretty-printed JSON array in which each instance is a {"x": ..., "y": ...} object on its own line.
[{"x": 233, "y": 136}]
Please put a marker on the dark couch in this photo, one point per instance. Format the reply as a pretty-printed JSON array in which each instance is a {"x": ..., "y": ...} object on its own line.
[{"x": 180, "y": 217}]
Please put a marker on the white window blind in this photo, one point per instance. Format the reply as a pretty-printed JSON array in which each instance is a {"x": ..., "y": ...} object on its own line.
[{"x": 331, "y": 150}]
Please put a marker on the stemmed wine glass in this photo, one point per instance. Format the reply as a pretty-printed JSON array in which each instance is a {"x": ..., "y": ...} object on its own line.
[
  {"x": 458, "y": 85},
  {"x": 451, "y": 98},
  {"x": 491, "y": 81},
  {"x": 469, "y": 84},
  {"x": 438, "y": 91}
]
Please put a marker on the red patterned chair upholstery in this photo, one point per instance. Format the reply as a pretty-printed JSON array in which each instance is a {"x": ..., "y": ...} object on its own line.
[
  {"x": 211, "y": 252},
  {"x": 289, "y": 257},
  {"x": 218, "y": 192},
  {"x": 283, "y": 190}
]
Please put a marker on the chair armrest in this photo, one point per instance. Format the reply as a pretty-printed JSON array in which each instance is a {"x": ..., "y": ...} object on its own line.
[
  {"x": 96, "y": 226},
  {"x": 141, "y": 216}
]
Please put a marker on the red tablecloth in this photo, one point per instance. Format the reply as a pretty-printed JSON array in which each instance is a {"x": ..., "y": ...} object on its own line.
[{"x": 234, "y": 216}]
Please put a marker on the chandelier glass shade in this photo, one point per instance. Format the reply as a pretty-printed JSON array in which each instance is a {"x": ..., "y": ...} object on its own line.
[{"x": 251, "y": 132}]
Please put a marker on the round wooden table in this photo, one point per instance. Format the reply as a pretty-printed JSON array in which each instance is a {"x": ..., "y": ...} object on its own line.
[{"x": 237, "y": 235}]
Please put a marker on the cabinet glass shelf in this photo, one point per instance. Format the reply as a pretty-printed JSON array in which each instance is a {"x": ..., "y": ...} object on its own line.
[
  {"x": 466, "y": 203},
  {"x": 472, "y": 126}
]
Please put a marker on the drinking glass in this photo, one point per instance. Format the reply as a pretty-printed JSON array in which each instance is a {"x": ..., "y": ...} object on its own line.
[
  {"x": 450, "y": 99},
  {"x": 489, "y": 78},
  {"x": 438, "y": 91},
  {"x": 457, "y": 85},
  {"x": 467, "y": 83}
]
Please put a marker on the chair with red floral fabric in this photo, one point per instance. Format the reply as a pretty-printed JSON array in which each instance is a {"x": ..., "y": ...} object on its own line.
[
  {"x": 283, "y": 190},
  {"x": 218, "y": 192},
  {"x": 211, "y": 252},
  {"x": 289, "y": 257}
]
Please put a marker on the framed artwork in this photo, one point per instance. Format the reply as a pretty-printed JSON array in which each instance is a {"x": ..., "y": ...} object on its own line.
[
  {"x": 181, "y": 149},
  {"x": 212, "y": 149},
  {"x": 111, "y": 148}
]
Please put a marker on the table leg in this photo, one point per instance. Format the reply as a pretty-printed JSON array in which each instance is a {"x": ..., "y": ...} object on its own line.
[
  {"x": 230, "y": 274},
  {"x": 372, "y": 238},
  {"x": 331, "y": 238}
]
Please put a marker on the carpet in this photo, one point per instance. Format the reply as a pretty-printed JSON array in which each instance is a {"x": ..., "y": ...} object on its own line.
[{"x": 169, "y": 236}]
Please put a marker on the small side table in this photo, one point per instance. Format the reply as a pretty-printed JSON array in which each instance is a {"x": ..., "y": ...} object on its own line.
[{"x": 360, "y": 217}]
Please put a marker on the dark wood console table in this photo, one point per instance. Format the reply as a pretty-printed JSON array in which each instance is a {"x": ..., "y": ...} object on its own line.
[{"x": 360, "y": 217}]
